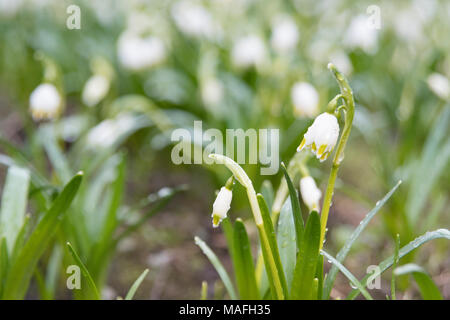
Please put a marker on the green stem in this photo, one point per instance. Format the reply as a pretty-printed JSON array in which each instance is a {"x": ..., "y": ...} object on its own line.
[{"x": 347, "y": 96}]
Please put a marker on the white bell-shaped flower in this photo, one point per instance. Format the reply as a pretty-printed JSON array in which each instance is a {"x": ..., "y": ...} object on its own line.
[
  {"x": 440, "y": 85},
  {"x": 285, "y": 35},
  {"x": 310, "y": 193},
  {"x": 321, "y": 136},
  {"x": 305, "y": 99},
  {"x": 45, "y": 102},
  {"x": 221, "y": 206},
  {"x": 248, "y": 51}
]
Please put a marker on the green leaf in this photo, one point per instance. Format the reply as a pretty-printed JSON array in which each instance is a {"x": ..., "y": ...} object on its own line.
[
  {"x": 136, "y": 285},
  {"x": 305, "y": 269},
  {"x": 397, "y": 249},
  {"x": 348, "y": 274},
  {"x": 4, "y": 263},
  {"x": 416, "y": 243},
  {"x": 218, "y": 266},
  {"x": 243, "y": 264},
  {"x": 85, "y": 271},
  {"x": 23, "y": 266},
  {"x": 267, "y": 192},
  {"x": 204, "y": 291},
  {"x": 427, "y": 287},
  {"x": 287, "y": 242},
  {"x": 331, "y": 276},
  {"x": 270, "y": 251},
  {"x": 14, "y": 204},
  {"x": 296, "y": 211}
]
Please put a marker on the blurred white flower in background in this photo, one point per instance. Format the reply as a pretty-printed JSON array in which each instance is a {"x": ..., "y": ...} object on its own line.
[
  {"x": 248, "y": 51},
  {"x": 138, "y": 53},
  {"x": 107, "y": 132},
  {"x": 212, "y": 91},
  {"x": 194, "y": 20},
  {"x": 408, "y": 25},
  {"x": 305, "y": 99},
  {"x": 361, "y": 35},
  {"x": 440, "y": 85},
  {"x": 321, "y": 136},
  {"x": 45, "y": 102},
  {"x": 310, "y": 193},
  {"x": 342, "y": 62},
  {"x": 285, "y": 34},
  {"x": 95, "y": 90},
  {"x": 10, "y": 7}
]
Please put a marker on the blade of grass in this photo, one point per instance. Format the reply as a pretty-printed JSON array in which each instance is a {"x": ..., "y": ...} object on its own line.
[
  {"x": 273, "y": 246},
  {"x": 427, "y": 287},
  {"x": 85, "y": 271},
  {"x": 295, "y": 203},
  {"x": 305, "y": 268},
  {"x": 342, "y": 254},
  {"x": 22, "y": 267},
  {"x": 218, "y": 266},
  {"x": 397, "y": 249},
  {"x": 287, "y": 242},
  {"x": 348, "y": 274},
  {"x": 204, "y": 291},
  {"x": 416, "y": 243},
  {"x": 244, "y": 267},
  {"x": 136, "y": 285},
  {"x": 14, "y": 204}
]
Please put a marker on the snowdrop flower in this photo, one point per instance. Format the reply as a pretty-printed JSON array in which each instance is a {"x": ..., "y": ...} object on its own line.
[
  {"x": 321, "y": 136},
  {"x": 248, "y": 51},
  {"x": 45, "y": 102},
  {"x": 310, "y": 193},
  {"x": 305, "y": 99},
  {"x": 285, "y": 35},
  {"x": 95, "y": 90},
  {"x": 137, "y": 53},
  {"x": 361, "y": 35},
  {"x": 106, "y": 133},
  {"x": 342, "y": 62},
  {"x": 194, "y": 20},
  {"x": 440, "y": 85},
  {"x": 221, "y": 205}
]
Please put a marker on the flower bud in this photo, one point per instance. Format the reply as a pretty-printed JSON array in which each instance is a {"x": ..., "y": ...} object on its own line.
[
  {"x": 221, "y": 206},
  {"x": 321, "y": 136},
  {"x": 45, "y": 102},
  {"x": 310, "y": 193}
]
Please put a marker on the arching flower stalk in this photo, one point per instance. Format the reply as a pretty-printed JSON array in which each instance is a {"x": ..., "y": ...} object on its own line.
[{"x": 348, "y": 109}]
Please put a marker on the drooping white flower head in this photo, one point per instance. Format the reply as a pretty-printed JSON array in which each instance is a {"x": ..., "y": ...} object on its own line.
[
  {"x": 305, "y": 99},
  {"x": 95, "y": 90},
  {"x": 285, "y": 35},
  {"x": 440, "y": 85},
  {"x": 221, "y": 206},
  {"x": 310, "y": 193},
  {"x": 321, "y": 136},
  {"x": 248, "y": 51},
  {"x": 194, "y": 20},
  {"x": 137, "y": 53},
  {"x": 45, "y": 102}
]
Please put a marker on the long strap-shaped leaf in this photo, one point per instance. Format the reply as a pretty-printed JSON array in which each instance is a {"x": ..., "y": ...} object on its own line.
[
  {"x": 243, "y": 264},
  {"x": 22, "y": 267},
  {"x": 331, "y": 276},
  {"x": 384, "y": 265},
  {"x": 136, "y": 285},
  {"x": 427, "y": 287},
  {"x": 307, "y": 257},
  {"x": 296, "y": 211},
  {"x": 348, "y": 274},
  {"x": 219, "y": 267},
  {"x": 270, "y": 252}
]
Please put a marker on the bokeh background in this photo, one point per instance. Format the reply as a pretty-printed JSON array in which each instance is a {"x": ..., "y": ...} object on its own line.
[{"x": 236, "y": 64}]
